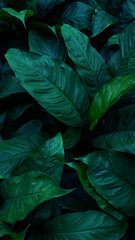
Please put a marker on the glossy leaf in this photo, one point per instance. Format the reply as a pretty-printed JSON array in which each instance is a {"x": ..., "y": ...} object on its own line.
[
  {"x": 71, "y": 137},
  {"x": 11, "y": 16},
  {"x": 48, "y": 159},
  {"x": 84, "y": 225},
  {"x": 104, "y": 205},
  {"x": 23, "y": 193},
  {"x": 119, "y": 131},
  {"x": 46, "y": 80},
  {"x": 89, "y": 63},
  {"x": 108, "y": 95},
  {"x": 15, "y": 150},
  {"x": 115, "y": 184}
]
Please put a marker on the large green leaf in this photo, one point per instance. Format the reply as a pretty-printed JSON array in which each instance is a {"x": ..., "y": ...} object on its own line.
[
  {"x": 105, "y": 206},
  {"x": 23, "y": 193},
  {"x": 48, "y": 159},
  {"x": 46, "y": 43},
  {"x": 42, "y": 7},
  {"x": 101, "y": 20},
  {"x": 11, "y": 16},
  {"x": 119, "y": 131},
  {"x": 15, "y": 150},
  {"x": 108, "y": 95},
  {"x": 115, "y": 184},
  {"x": 77, "y": 14},
  {"x": 131, "y": 4},
  {"x": 46, "y": 80},
  {"x": 89, "y": 63},
  {"x": 84, "y": 225}
]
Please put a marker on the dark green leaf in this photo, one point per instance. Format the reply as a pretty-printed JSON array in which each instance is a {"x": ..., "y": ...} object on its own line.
[
  {"x": 89, "y": 63},
  {"x": 84, "y": 225},
  {"x": 108, "y": 95},
  {"x": 23, "y": 193},
  {"x": 46, "y": 80},
  {"x": 11, "y": 16},
  {"x": 71, "y": 137}
]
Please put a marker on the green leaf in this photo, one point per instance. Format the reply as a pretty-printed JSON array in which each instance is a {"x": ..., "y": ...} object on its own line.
[
  {"x": 108, "y": 95},
  {"x": 71, "y": 137},
  {"x": 119, "y": 131},
  {"x": 89, "y": 63},
  {"x": 30, "y": 127},
  {"x": 84, "y": 225},
  {"x": 11, "y": 16},
  {"x": 6, "y": 231},
  {"x": 104, "y": 205},
  {"x": 48, "y": 159},
  {"x": 42, "y": 7},
  {"x": 46, "y": 43},
  {"x": 115, "y": 184},
  {"x": 23, "y": 193},
  {"x": 46, "y": 80},
  {"x": 101, "y": 20},
  {"x": 131, "y": 4},
  {"x": 2, "y": 119},
  {"x": 76, "y": 14},
  {"x": 15, "y": 150}
]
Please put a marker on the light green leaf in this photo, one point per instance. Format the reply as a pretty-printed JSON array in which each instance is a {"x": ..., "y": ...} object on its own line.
[
  {"x": 108, "y": 95},
  {"x": 11, "y": 16},
  {"x": 105, "y": 206},
  {"x": 71, "y": 137},
  {"x": 15, "y": 150},
  {"x": 115, "y": 184},
  {"x": 89, "y": 63},
  {"x": 119, "y": 131},
  {"x": 84, "y": 225},
  {"x": 101, "y": 20},
  {"x": 25, "y": 192},
  {"x": 48, "y": 159},
  {"x": 46, "y": 80}
]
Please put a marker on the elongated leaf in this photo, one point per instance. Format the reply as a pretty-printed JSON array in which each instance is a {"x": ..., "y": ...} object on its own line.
[
  {"x": 105, "y": 206},
  {"x": 46, "y": 80},
  {"x": 49, "y": 159},
  {"x": 119, "y": 131},
  {"x": 89, "y": 63},
  {"x": 45, "y": 43},
  {"x": 101, "y": 20},
  {"x": 77, "y": 14},
  {"x": 15, "y": 150},
  {"x": 23, "y": 193},
  {"x": 108, "y": 95},
  {"x": 71, "y": 137},
  {"x": 10, "y": 15},
  {"x": 84, "y": 225},
  {"x": 115, "y": 184}
]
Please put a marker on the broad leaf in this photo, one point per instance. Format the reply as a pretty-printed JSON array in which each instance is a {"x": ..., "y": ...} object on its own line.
[
  {"x": 48, "y": 159},
  {"x": 46, "y": 43},
  {"x": 42, "y": 7},
  {"x": 23, "y": 193},
  {"x": 101, "y": 20},
  {"x": 89, "y": 63},
  {"x": 71, "y": 137},
  {"x": 46, "y": 80},
  {"x": 11, "y": 16},
  {"x": 105, "y": 206},
  {"x": 119, "y": 131},
  {"x": 77, "y": 14},
  {"x": 115, "y": 184},
  {"x": 15, "y": 150},
  {"x": 108, "y": 95},
  {"x": 84, "y": 225}
]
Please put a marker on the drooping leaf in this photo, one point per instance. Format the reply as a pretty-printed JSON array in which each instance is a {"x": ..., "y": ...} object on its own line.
[
  {"x": 11, "y": 16},
  {"x": 108, "y": 95},
  {"x": 23, "y": 193},
  {"x": 119, "y": 131},
  {"x": 15, "y": 150},
  {"x": 77, "y": 14},
  {"x": 46, "y": 43},
  {"x": 101, "y": 20},
  {"x": 89, "y": 63},
  {"x": 105, "y": 206},
  {"x": 48, "y": 159},
  {"x": 115, "y": 184},
  {"x": 46, "y": 80},
  {"x": 71, "y": 137},
  {"x": 84, "y": 225}
]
